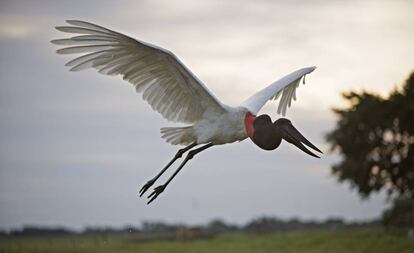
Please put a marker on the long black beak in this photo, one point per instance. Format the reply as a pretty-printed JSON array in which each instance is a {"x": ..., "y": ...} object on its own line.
[{"x": 292, "y": 135}]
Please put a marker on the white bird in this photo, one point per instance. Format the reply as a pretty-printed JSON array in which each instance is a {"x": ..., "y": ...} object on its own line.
[{"x": 178, "y": 95}]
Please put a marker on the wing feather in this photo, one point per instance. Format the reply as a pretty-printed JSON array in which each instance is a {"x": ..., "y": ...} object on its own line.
[
  {"x": 285, "y": 89},
  {"x": 164, "y": 81}
]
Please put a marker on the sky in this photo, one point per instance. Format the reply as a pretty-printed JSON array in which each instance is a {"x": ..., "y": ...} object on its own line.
[{"x": 76, "y": 147}]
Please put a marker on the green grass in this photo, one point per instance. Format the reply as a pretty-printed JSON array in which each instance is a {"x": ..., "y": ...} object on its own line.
[{"x": 353, "y": 241}]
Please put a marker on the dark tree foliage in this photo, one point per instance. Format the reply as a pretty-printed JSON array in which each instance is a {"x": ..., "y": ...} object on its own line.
[
  {"x": 401, "y": 214},
  {"x": 218, "y": 226},
  {"x": 375, "y": 137}
]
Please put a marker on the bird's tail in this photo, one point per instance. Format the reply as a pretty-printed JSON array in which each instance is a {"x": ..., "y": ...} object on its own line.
[{"x": 178, "y": 135}]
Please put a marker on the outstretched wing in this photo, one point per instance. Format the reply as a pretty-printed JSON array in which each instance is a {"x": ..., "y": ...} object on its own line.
[
  {"x": 284, "y": 88},
  {"x": 165, "y": 83}
]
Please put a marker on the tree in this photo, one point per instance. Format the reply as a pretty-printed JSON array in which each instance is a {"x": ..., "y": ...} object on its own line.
[
  {"x": 375, "y": 137},
  {"x": 401, "y": 214}
]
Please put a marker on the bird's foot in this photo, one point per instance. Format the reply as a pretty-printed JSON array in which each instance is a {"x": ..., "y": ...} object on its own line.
[
  {"x": 146, "y": 187},
  {"x": 157, "y": 191}
]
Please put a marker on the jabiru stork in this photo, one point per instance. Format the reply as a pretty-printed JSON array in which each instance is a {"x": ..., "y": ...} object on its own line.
[{"x": 178, "y": 95}]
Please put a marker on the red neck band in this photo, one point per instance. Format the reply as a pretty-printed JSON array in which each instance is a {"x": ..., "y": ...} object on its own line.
[{"x": 248, "y": 124}]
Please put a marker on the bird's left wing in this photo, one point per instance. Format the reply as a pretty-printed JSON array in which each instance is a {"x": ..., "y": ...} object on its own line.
[
  {"x": 165, "y": 83},
  {"x": 284, "y": 88}
]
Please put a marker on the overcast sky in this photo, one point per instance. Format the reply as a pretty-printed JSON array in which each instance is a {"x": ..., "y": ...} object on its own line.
[{"x": 76, "y": 147}]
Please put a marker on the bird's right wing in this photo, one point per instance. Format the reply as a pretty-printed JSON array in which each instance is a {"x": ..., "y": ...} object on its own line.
[
  {"x": 165, "y": 83},
  {"x": 285, "y": 87}
]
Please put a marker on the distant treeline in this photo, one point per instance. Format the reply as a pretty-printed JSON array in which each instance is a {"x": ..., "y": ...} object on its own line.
[{"x": 162, "y": 229}]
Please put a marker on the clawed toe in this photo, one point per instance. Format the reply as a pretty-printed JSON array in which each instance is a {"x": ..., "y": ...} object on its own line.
[
  {"x": 157, "y": 191},
  {"x": 146, "y": 187}
]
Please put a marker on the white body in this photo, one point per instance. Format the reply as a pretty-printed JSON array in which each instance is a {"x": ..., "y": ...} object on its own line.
[
  {"x": 227, "y": 127},
  {"x": 169, "y": 87}
]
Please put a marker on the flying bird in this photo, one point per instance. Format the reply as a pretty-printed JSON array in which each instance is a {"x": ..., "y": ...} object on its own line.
[{"x": 178, "y": 95}]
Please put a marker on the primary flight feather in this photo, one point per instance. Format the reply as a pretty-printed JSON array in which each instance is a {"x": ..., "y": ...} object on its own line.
[{"x": 178, "y": 95}]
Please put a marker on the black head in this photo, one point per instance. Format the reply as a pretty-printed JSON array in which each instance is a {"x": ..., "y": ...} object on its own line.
[
  {"x": 264, "y": 134},
  {"x": 268, "y": 135}
]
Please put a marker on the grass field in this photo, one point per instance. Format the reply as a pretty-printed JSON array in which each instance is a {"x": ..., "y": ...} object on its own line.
[{"x": 338, "y": 242}]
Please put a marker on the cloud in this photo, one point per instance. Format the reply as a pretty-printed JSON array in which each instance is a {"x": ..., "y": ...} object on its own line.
[
  {"x": 13, "y": 27},
  {"x": 12, "y": 31},
  {"x": 90, "y": 138}
]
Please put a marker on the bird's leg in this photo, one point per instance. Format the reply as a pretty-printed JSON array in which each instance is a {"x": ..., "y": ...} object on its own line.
[
  {"x": 157, "y": 191},
  {"x": 178, "y": 155}
]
